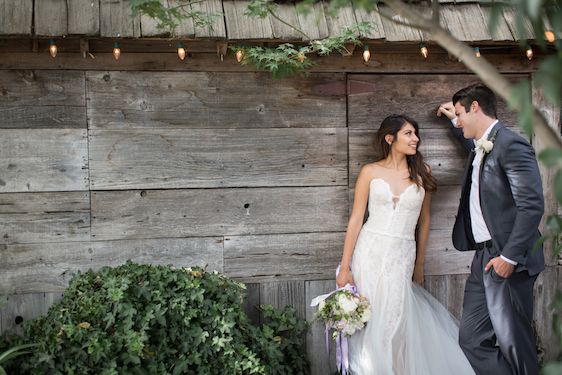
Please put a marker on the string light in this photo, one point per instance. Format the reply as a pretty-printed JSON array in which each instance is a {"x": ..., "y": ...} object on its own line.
[
  {"x": 424, "y": 51},
  {"x": 301, "y": 57},
  {"x": 549, "y": 36},
  {"x": 477, "y": 52},
  {"x": 116, "y": 50},
  {"x": 529, "y": 52},
  {"x": 181, "y": 51},
  {"x": 366, "y": 53},
  {"x": 239, "y": 55},
  {"x": 53, "y": 48}
]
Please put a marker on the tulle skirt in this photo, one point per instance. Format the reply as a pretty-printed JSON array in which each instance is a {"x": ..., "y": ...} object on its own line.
[{"x": 410, "y": 332}]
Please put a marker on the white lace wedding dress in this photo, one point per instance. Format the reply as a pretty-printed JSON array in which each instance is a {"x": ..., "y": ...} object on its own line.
[{"x": 410, "y": 332}]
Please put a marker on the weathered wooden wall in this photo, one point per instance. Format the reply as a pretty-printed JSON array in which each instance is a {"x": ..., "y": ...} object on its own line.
[{"x": 234, "y": 171}]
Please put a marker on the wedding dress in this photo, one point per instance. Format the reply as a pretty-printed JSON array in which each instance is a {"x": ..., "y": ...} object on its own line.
[{"x": 410, "y": 332}]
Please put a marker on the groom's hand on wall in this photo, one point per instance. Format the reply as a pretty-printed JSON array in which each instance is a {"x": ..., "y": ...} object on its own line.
[
  {"x": 501, "y": 267},
  {"x": 447, "y": 109}
]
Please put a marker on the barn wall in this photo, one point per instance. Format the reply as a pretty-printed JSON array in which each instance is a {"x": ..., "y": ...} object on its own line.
[{"x": 233, "y": 171}]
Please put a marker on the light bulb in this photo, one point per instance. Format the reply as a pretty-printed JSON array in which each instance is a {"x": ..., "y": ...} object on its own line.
[
  {"x": 366, "y": 53},
  {"x": 53, "y": 48},
  {"x": 181, "y": 51},
  {"x": 239, "y": 55},
  {"x": 549, "y": 36},
  {"x": 301, "y": 57},
  {"x": 116, "y": 51},
  {"x": 424, "y": 51},
  {"x": 529, "y": 53},
  {"x": 477, "y": 51}
]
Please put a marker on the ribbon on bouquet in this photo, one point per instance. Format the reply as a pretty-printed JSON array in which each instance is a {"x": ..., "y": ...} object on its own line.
[{"x": 342, "y": 350}]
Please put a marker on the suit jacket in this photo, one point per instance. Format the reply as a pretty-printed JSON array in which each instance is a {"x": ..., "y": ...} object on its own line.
[{"x": 511, "y": 199}]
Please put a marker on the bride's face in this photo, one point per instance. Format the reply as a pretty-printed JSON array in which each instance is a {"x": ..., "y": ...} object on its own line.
[{"x": 406, "y": 141}]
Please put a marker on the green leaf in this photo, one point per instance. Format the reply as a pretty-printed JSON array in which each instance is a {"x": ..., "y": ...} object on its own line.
[{"x": 551, "y": 157}]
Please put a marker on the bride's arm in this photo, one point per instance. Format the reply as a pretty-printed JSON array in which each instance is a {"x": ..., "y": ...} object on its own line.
[
  {"x": 423, "y": 234},
  {"x": 354, "y": 225}
]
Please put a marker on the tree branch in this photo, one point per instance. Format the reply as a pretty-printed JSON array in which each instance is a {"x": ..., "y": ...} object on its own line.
[{"x": 480, "y": 66}]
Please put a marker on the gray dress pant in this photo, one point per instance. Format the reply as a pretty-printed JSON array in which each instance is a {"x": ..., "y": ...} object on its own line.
[{"x": 495, "y": 330}]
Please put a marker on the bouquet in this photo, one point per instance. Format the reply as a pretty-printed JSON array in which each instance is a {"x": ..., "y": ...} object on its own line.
[{"x": 344, "y": 311}]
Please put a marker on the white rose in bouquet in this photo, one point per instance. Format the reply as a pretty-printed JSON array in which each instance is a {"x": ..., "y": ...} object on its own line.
[{"x": 347, "y": 303}]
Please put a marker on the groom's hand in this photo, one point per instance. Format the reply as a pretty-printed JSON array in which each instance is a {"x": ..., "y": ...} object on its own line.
[
  {"x": 447, "y": 109},
  {"x": 502, "y": 268}
]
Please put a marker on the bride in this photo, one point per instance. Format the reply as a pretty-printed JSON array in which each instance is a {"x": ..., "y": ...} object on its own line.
[{"x": 410, "y": 332}]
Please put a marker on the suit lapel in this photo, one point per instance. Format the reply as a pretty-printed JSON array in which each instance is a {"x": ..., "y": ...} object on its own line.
[{"x": 492, "y": 137}]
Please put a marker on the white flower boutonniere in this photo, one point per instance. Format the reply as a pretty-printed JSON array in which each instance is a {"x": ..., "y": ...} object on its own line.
[{"x": 485, "y": 145}]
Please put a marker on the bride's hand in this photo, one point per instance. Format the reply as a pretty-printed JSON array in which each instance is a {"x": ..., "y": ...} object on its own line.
[
  {"x": 418, "y": 275},
  {"x": 344, "y": 277}
]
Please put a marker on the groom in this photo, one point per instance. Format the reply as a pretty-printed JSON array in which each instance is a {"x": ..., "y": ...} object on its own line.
[{"x": 500, "y": 209}]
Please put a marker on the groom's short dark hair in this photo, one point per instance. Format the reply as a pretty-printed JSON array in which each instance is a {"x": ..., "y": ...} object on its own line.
[{"x": 479, "y": 93}]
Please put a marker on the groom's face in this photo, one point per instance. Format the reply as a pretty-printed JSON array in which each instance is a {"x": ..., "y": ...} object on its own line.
[{"x": 465, "y": 121}]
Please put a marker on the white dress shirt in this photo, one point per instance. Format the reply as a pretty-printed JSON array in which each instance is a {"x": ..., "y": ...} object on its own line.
[{"x": 479, "y": 228}]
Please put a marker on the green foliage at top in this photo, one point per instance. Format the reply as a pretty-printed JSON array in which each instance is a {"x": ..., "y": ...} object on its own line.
[
  {"x": 169, "y": 17},
  {"x": 142, "y": 319},
  {"x": 288, "y": 59}
]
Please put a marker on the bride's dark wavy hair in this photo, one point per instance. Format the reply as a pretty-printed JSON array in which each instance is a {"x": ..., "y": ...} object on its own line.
[{"x": 419, "y": 170}]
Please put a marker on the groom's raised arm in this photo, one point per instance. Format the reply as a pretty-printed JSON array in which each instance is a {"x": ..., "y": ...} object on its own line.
[{"x": 448, "y": 110}]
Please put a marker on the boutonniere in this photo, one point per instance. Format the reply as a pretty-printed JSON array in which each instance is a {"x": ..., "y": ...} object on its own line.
[{"x": 486, "y": 145}]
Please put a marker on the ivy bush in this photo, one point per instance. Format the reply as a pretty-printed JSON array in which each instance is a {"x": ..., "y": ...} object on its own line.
[{"x": 145, "y": 319}]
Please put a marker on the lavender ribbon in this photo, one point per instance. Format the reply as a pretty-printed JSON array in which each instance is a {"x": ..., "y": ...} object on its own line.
[{"x": 342, "y": 349}]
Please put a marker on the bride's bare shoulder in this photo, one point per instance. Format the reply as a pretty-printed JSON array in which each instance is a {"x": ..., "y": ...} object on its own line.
[{"x": 371, "y": 169}]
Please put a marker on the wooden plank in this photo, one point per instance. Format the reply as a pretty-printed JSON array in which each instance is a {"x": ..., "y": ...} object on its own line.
[
  {"x": 314, "y": 23},
  {"x": 42, "y": 117},
  {"x": 47, "y": 267},
  {"x": 117, "y": 21},
  {"x": 373, "y": 97},
  {"x": 382, "y": 62},
  {"x": 281, "y": 30},
  {"x": 282, "y": 293},
  {"x": 374, "y": 18},
  {"x": 465, "y": 22},
  {"x": 240, "y": 26},
  {"x": 123, "y": 100},
  {"x": 51, "y": 17},
  {"x": 522, "y": 33},
  {"x": 321, "y": 361},
  {"x": 25, "y": 88},
  {"x": 545, "y": 291},
  {"x": 84, "y": 17},
  {"x": 441, "y": 258},
  {"x": 448, "y": 290},
  {"x": 397, "y": 33},
  {"x": 43, "y": 160},
  {"x": 307, "y": 256},
  {"x": 23, "y": 307},
  {"x": 438, "y": 146},
  {"x": 455, "y": 293},
  {"x": 502, "y": 32},
  {"x": 251, "y": 303},
  {"x": 552, "y": 115},
  {"x": 154, "y": 159},
  {"x": 217, "y": 29},
  {"x": 44, "y": 217},
  {"x": 342, "y": 19},
  {"x": 208, "y": 212},
  {"x": 148, "y": 25},
  {"x": 16, "y": 17}
]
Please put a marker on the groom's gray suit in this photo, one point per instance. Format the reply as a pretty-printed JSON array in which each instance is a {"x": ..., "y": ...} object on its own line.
[{"x": 495, "y": 332}]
